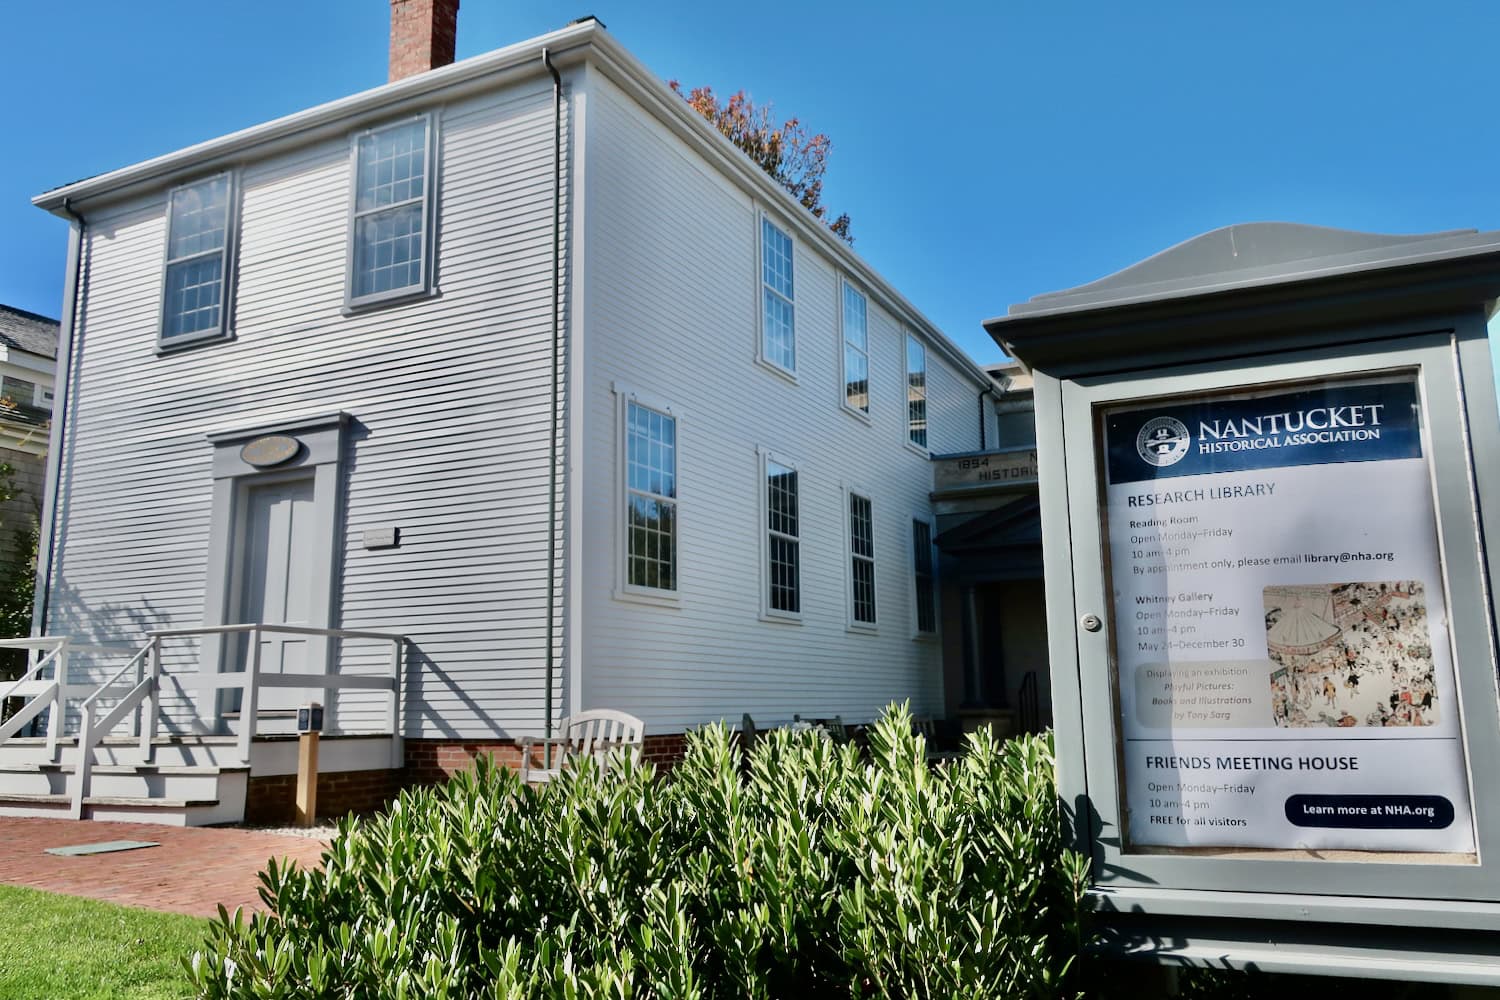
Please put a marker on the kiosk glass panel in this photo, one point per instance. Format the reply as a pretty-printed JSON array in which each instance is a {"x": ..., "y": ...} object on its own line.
[{"x": 1282, "y": 658}]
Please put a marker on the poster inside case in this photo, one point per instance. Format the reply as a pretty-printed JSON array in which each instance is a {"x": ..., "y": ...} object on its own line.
[{"x": 1284, "y": 667}]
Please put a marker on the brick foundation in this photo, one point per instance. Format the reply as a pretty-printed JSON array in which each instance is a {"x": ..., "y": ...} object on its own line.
[
  {"x": 431, "y": 761},
  {"x": 665, "y": 751},
  {"x": 272, "y": 798}
]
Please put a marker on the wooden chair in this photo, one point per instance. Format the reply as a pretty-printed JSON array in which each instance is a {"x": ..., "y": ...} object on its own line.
[
  {"x": 596, "y": 733},
  {"x": 834, "y": 727}
]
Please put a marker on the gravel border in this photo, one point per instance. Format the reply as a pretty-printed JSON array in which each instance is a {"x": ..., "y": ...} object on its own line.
[{"x": 321, "y": 832}]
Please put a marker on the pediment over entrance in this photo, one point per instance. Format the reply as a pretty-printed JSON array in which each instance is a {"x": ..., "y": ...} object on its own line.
[{"x": 1016, "y": 524}]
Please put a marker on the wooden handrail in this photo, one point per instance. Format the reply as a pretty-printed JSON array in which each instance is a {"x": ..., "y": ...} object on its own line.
[
  {"x": 115, "y": 677},
  {"x": 55, "y": 641},
  {"x": 30, "y": 673},
  {"x": 240, "y": 679},
  {"x": 143, "y": 695},
  {"x": 91, "y": 733},
  {"x": 331, "y": 633},
  {"x": 29, "y": 711}
]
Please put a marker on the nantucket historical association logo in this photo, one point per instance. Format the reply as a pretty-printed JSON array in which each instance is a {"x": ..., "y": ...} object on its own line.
[{"x": 1162, "y": 441}]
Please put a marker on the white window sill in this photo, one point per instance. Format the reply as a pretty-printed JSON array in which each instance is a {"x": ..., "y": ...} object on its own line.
[
  {"x": 359, "y": 307},
  {"x": 859, "y": 415},
  {"x": 189, "y": 341},
  {"x": 916, "y": 449},
  {"x": 776, "y": 369},
  {"x": 925, "y": 636},
  {"x": 781, "y": 617},
  {"x": 861, "y": 628},
  {"x": 654, "y": 598}
]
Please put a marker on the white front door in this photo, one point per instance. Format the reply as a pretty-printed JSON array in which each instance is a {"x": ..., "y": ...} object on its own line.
[{"x": 276, "y": 581}]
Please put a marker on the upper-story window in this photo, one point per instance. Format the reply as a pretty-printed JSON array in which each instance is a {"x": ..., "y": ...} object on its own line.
[
  {"x": 194, "y": 303},
  {"x": 778, "y": 339},
  {"x": 916, "y": 392},
  {"x": 856, "y": 351},
  {"x": 389, "y": 235},
  {"x": 651, "y": 498}
]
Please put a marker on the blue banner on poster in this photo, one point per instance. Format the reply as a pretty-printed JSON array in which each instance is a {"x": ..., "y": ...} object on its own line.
[{"x": 1373, "y": 422}]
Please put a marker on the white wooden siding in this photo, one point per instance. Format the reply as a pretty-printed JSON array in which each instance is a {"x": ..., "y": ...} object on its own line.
[
  {"x": 450, "y": 395},
  {"x": 672, "y": 292}
]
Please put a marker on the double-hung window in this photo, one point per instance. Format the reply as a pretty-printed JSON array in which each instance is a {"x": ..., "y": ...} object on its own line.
[
  {"x": 861, "y": 561},
  {"x": 778, "y": 338},
  {"x": 390, "y": 232},
  {"x": 916, "y": 392},
  {"x": 194, "y": 298},
  {"x": 783, "y": 590},
  {"x": 856, "y": 351},
  {"x": 650, "y": 499},
  {"x": 925, "y": 584}
]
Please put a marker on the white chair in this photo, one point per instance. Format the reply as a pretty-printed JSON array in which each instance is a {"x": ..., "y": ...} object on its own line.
[{"x": 596, "y": 733}]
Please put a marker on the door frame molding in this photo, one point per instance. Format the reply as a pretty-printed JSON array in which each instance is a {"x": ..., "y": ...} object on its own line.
[{"x": 320, "y": 457}]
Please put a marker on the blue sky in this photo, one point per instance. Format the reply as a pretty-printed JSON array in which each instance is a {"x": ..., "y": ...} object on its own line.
[{"x": 986, "y": 152}]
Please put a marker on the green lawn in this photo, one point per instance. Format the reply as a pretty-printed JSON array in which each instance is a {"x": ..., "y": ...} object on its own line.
[{"x": 60, "y": 946}]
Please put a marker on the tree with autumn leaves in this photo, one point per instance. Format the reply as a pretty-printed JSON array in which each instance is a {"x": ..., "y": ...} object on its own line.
[{"x": 793, "y": 158}]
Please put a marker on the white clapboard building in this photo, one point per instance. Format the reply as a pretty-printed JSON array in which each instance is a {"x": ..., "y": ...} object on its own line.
[{"x": 502, "y": 391}]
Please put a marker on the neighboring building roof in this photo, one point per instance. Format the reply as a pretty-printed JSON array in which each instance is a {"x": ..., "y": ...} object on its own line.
[
  {"x": 580, "y": 41},
  {"x": 29, "y": 332}
]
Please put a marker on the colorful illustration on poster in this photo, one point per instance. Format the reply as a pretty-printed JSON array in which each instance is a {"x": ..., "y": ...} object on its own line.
[{"x": 1350, "y": 654}]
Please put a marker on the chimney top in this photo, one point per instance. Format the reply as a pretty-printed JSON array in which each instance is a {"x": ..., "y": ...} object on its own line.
[{"x": 423, "y": 36}]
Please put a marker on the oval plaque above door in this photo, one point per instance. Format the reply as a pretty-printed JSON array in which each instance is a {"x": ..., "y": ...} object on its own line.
[{"x": 273, "y": 449}]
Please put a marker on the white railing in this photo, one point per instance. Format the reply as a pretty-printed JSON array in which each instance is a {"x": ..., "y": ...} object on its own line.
[
  {"x": 142, "y": 695},
  {"x": 44, "y": 693},
  {"x": 251, "y": 680},
  {"x": 143, "y": 673}
]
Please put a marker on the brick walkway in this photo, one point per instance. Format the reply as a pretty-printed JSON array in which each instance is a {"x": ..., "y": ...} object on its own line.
[{"x": 192, "y": 871}]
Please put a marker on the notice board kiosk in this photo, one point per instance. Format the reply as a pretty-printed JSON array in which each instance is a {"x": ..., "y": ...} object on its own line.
[{"x": 1269, "y": 462}]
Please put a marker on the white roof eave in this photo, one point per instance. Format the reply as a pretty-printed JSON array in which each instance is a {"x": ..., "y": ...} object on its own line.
[{"x": 584, "y": 41}]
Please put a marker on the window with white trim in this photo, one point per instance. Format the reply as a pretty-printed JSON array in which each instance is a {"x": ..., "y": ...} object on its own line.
[
  {"x": 916, "y": 392},
  {"x": 778, "y": 340},
  {"x": 922, "y": 573},
  {"x": 856, "y": 351},
  {"x": 388, "y": 232},
  {"x": 650, "y": 498},
  {"x": 197, "y": 264},
  {"x": 783, "y": 540},
  {"x": 861, "y": 560}
]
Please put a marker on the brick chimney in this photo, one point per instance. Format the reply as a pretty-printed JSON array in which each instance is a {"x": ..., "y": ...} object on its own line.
[{"x": 422, "y": 35}]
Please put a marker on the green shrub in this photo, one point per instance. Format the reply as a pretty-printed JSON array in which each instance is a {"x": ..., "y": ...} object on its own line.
[{"x": 818, "y": 873}]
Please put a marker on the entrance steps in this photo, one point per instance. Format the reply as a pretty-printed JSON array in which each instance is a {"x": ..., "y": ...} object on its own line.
[{"x": 190, "y": 781}]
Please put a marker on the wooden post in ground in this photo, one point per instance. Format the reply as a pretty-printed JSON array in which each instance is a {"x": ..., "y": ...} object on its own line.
[{"x": 307, "y": 778}]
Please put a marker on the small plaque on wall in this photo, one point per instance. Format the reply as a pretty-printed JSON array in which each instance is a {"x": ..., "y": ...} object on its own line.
[
  {"x": 383, "y": 538},
  {"x": 271, "y": 450}
]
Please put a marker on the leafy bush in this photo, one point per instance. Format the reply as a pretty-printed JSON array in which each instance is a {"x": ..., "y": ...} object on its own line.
[{"x": 817, "y": 873}]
